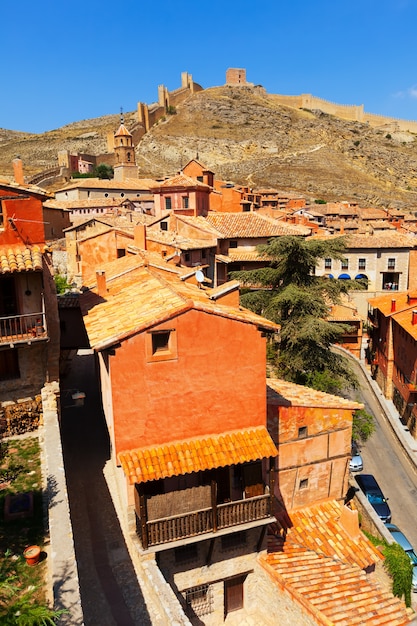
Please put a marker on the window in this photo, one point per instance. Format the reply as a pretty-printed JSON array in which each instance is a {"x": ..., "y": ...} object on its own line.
[
  {"x": 160, "y": 341},
  {"x": 121, "y": 252},
  {"x": 9, "y": 365},
  {"x": 391, "y": 264},
  {"x": 233, "y": 243},
  {"x": 187, "y": 257},
  {"x": 168, "y": 204},
  {"x": 161, "y": 345},
  {"x": 302, "y": 432},
  {"x": 185, "y": 202},
  {"x": 344, "y": 264},
  {"x": 327, "y": 264},
  {"x": 361, "y": 264},
  {"x": 164, "y": 225},
  {"x": 185, "y": 554},
  {"x": 200, "y": 179},
  {"x": 233, "y": 541},
  {"x": 303, "y": 483},
  {"x": 1, "y": 215},
  {"x": 199, "y": 600}
]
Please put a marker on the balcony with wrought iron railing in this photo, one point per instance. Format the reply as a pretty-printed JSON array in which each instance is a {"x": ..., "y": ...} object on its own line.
[
  {"x": 23, "y": 328},
  {"x": 203, "y": 522}
]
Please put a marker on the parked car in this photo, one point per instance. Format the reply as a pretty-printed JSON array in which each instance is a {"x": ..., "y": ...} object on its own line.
[
  {"x": 374, "y": 495},
  {"x": 400, "y": 538},
  {"x": 356, "y": 462}
]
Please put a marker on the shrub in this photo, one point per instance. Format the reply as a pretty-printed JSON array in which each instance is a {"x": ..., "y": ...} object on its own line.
[
  {"x": 400, "y": 568},
  {"x": 356, "y": 143},
  {"x": 388, "y": 136}
]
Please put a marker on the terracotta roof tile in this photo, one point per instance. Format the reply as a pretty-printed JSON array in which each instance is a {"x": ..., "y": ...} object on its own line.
[
  {"x": 298, "y": 395},
  {"x": 196, "y": 454},
  {"x": 20, "y": 259},
  {"x": 322, "y": 567},
  {"x": 252, "y": 224},
  {"x": 384, "y": 303},
  {"x": 181, "y": 180},
  {"x": 138, "y": 297}
]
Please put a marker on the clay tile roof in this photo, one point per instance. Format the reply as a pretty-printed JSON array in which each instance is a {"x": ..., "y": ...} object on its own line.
[
  {"x": 181, "y": 180},
  {"x": 402, "y": 302},
  {"x": 381, "y": 240},
  {"x": 197, "y": 454},
  {"x": 122, "y": 131},
  {"x": 20, "y": 259},
  {"x": 298, "y": 395},
  {"x": 320, "y": 562},
  {"x": 138, "y": 297},
  {"x": 252, "y": 225}
]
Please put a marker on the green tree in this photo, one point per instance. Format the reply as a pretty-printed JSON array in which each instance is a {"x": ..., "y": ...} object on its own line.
[
  {"x": 299, "y": 301},
  {"x": 103, "y": 171},
  {"x": 363, "y": 425}
]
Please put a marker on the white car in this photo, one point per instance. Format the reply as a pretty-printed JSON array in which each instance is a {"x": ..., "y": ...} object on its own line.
[{"x": 356, "y": 462}]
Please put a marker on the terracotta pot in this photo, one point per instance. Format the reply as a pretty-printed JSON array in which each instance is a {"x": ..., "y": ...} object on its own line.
[{"x": 32, "y": 555}]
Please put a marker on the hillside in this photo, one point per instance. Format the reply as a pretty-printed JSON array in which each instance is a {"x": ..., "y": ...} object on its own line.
[{"x": 246, "y": 136}]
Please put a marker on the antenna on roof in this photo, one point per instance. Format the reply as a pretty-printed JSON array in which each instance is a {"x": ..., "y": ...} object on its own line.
[{"x": 200, "y": 278}]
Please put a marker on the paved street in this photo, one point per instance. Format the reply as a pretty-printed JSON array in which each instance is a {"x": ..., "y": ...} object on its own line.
[{"x": 110, "y": 592}]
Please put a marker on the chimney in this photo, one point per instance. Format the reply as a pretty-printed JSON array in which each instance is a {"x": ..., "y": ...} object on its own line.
[
  {"x": 101, "y": 283},
  {"x": 140, "y": 236},
  {"x": 414, "y": 317},
  {"x": 393, "y": 305},
  {"x": 18, "y": 171}
]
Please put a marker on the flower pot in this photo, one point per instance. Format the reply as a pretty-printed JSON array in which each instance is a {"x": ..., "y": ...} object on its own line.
[{"x": 32, "y": 555}]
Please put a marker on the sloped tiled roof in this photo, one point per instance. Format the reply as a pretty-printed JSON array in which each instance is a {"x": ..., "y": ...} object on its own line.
[
  {"x": 251, "y": 224},
  {"x": 322, "y": 566},
  {"x": 138, "y": 297},
  {"x": 181, "y": 180},
  {"x": 381, "y": 240},
  {"x": 197, "y": 454},
  {"x": 298, "y": 395},
  {"x": 20, "y": 259},
  {"x": 170, "y": 237},
  {"x": 245, "y": 255},
  {"x": 98, "y": 183},
  {"x": 402, "y": 302}
]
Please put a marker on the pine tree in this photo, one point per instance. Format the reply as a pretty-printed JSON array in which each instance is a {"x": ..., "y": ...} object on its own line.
[{"x": 290, "y": 294}]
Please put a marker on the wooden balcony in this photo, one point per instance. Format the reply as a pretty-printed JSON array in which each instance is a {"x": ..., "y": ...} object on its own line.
[
  {"x": 23, "y": 328},
  {"x": 210, "y": 520}
]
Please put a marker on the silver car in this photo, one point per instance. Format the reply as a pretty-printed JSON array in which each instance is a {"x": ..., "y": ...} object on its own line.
[
  {"x": 356, "y": 462},
  {"x": 400, "y": 538}
]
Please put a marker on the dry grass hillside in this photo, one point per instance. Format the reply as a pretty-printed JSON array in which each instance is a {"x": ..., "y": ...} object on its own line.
[{"x": 246, "y": 136}]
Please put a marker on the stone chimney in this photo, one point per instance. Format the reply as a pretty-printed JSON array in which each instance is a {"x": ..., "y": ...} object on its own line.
[
  {"x": 18, "y": 171},
  {"x": 140, "y": 236},
  {"x": 414, "y": 317},
  {"x": 393, "y": 305},
  {"x": 101, "y": 283}
]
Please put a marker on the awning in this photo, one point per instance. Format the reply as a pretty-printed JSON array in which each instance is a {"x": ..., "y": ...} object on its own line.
[{"x": 197, "y": 454}]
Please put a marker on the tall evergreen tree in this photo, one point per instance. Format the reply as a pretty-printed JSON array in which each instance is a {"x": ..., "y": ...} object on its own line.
[{"x": 290, "y": 294}]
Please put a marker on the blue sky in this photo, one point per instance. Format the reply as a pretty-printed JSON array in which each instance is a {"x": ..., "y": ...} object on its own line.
[{"x": 60, "y": 63}]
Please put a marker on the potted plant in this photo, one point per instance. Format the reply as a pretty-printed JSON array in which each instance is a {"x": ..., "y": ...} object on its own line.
[{"x": 32, "y": 555}]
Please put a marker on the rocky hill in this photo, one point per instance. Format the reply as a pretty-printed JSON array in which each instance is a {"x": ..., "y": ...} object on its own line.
[{"x": 244, "y": 135}]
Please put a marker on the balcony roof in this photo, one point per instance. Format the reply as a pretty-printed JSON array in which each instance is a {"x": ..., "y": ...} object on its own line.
[
  {"x": 196, "y": 454},
  {"x": 20, "y": 259}
]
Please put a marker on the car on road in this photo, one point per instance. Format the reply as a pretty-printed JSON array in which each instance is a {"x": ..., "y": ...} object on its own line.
[
  {"x": 374, "y": 495},
  {"x": 400, "y": 538},
  {"x": 356, "y": 462}
]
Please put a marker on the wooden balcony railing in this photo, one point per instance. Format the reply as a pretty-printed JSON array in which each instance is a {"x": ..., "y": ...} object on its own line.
[
  {"x": 23, "y": 328},
  {"x": 205, "y": 521}
]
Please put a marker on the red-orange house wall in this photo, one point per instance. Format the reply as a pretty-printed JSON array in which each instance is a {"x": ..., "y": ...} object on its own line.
[
  {"x": 95, "y": 251},
  {"x": 216, "y": 383},
  {"x": 31, "y": 230},
  {"x": 322, "y": 457},
  {"x": 227, "y": 199}
]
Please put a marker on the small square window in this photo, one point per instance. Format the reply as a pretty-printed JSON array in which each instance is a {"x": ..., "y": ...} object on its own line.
[
  {"x": 303, "y": 483},
  {"x": 233, "y": 244},
  {"x": 160, "y": 341},
  {"x": 199, "y": 600},
  {"x": 327, "y": 264},
  {"x": 302, "y": 432},
  {"x": 164, "y": 225}
]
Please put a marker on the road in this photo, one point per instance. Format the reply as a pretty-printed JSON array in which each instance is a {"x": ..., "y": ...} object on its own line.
[{"x": 384, "y": 457}]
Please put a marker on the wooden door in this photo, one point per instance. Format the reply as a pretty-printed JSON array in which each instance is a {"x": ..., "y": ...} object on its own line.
[{"x": 233, "y": 594}]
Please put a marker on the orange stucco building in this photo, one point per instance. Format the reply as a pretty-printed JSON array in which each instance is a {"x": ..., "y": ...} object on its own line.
[{"x": 313, "y": 431}]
